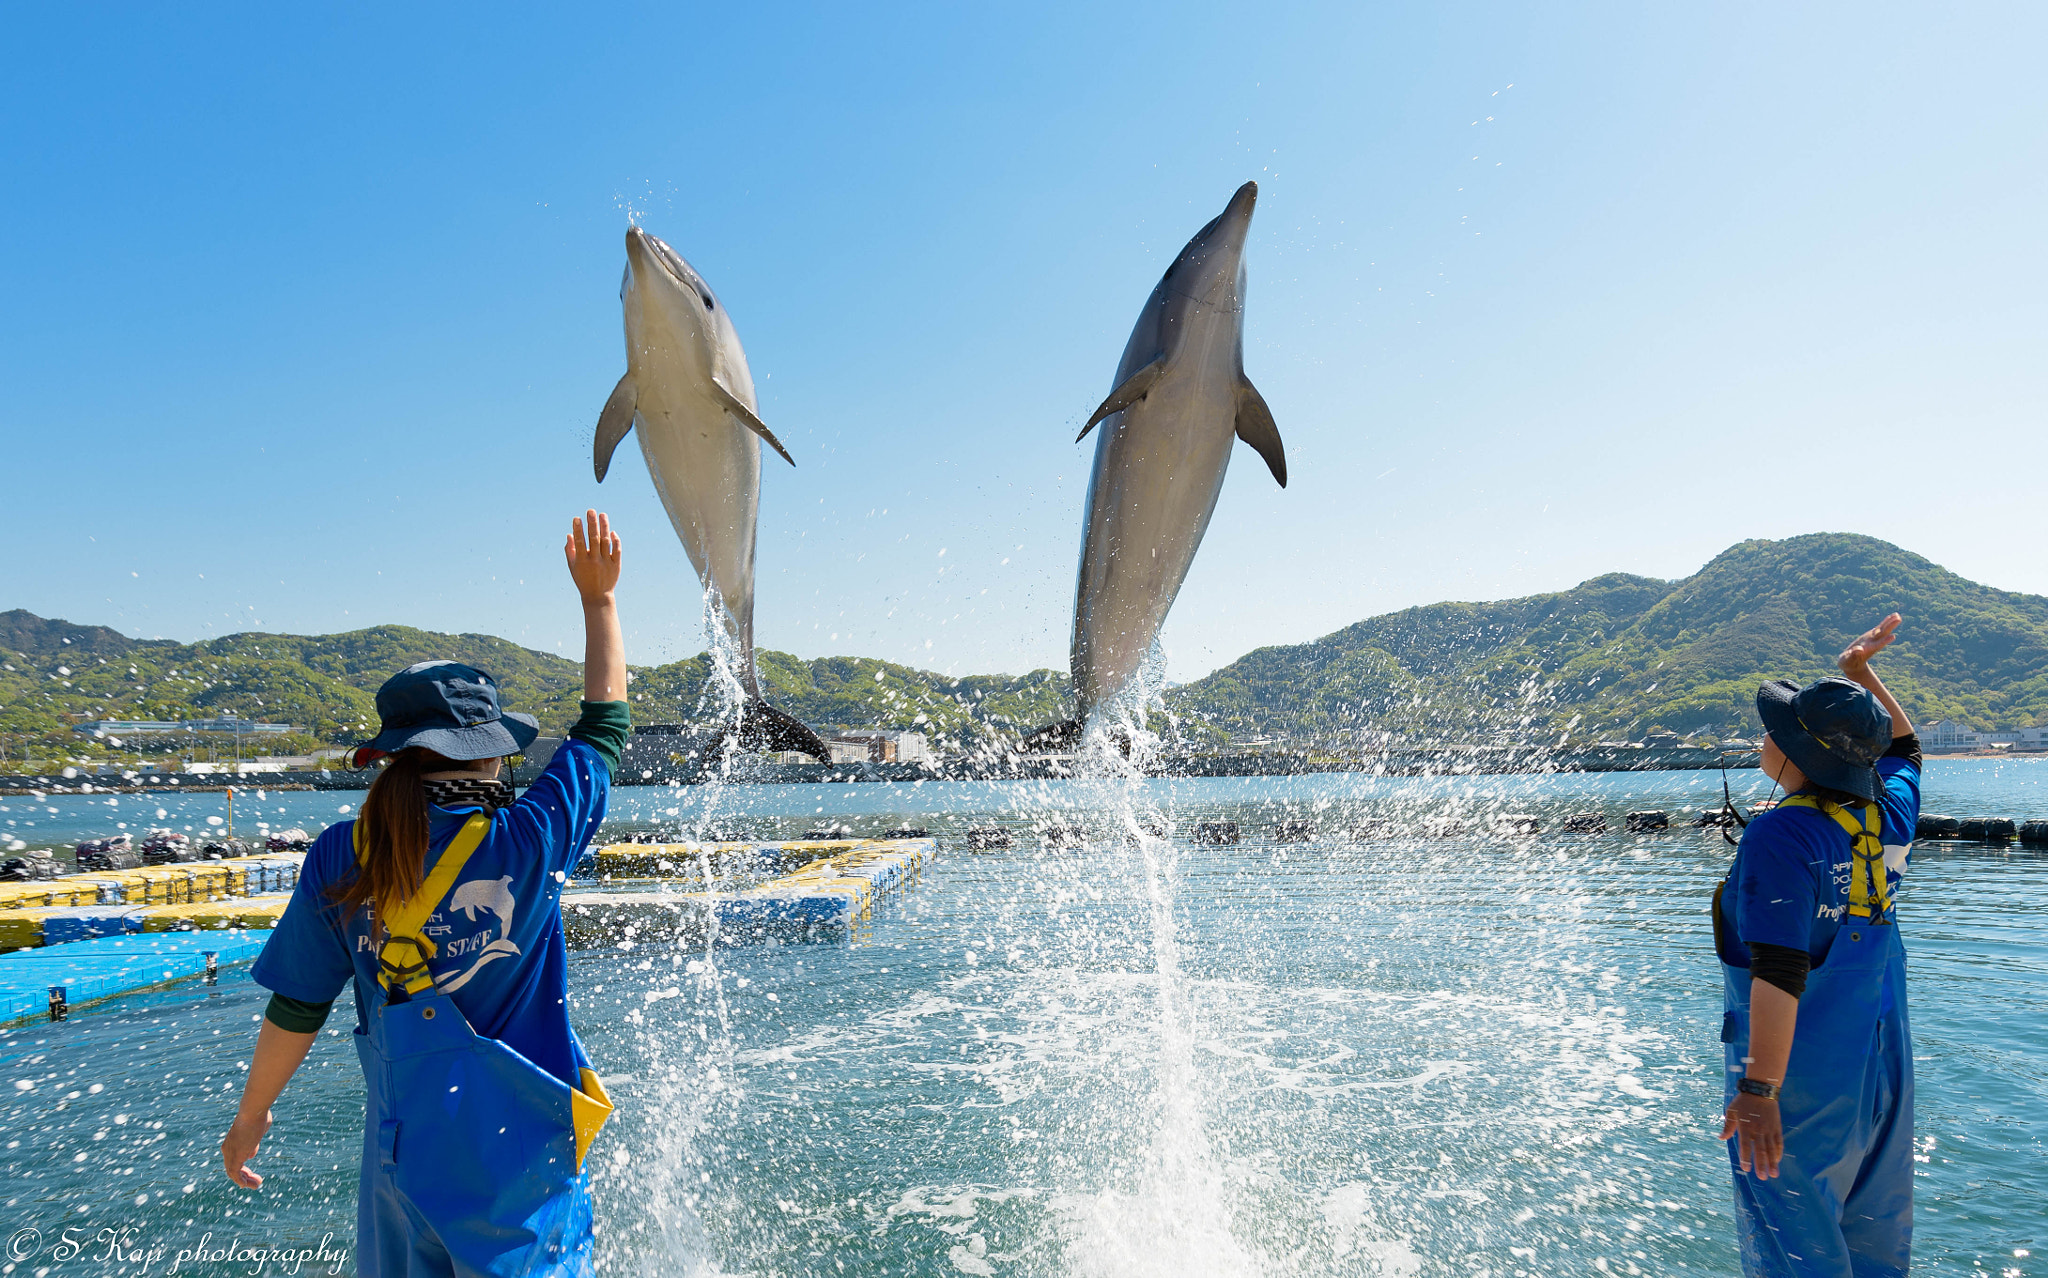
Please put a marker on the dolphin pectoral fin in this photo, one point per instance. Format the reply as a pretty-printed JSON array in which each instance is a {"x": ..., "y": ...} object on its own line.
[
  {"x": 614, "y": 422},
  {"x": 1055, "y": 738},
  {"x": 754, "y": 423},
  {"x": 1255, "y": 427},
  {"x": 1124, "y": 396}
]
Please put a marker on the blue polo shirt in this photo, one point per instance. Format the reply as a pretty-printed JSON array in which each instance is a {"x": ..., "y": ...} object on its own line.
[
  {"x": 501, "y": 956},
  {"x": 1790, "y": 882}
]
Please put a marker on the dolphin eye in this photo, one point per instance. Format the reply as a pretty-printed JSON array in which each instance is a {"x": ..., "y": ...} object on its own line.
[{"x": 707, "y": 301}]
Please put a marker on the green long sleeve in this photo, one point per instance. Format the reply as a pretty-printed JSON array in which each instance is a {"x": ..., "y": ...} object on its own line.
[
  {"x": 297, "y": 1016},
  {"x": 604, "y": 727}
]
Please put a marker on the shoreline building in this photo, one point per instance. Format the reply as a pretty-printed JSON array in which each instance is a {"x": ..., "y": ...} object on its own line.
[
  {"x": 879, "y": 745},
  {"x": 1946, "y": 736},
  {"x": 227, "y": 723}
]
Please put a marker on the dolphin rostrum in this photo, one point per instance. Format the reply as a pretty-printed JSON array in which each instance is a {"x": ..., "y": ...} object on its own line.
[
  {"x": 688, "y": 389},
  {"x": 1179, "y": 399}
]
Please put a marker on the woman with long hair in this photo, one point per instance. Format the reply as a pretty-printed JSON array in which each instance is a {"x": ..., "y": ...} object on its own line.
[{"x": 442, "y": 902}]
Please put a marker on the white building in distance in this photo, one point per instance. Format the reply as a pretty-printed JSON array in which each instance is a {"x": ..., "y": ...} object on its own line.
[
  {"x": 880, "y": 745},
  {"x": 154, "y": 727},
  {"x": 1945, "y": 736}
]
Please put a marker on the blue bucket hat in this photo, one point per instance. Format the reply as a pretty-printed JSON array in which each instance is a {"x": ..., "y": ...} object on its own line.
[
  {"x": 1833, "y": 730},
  {"x": 449, "y": 708}
]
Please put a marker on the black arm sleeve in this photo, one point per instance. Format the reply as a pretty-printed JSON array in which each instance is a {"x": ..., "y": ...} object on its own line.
[
  {"x": 1907, "y": 748},
  {"x": 1781, "y": 966},
  {"x": 298, "y": 1017}
]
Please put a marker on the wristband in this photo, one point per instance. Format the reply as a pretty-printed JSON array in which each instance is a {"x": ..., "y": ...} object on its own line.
[{"x": 1757, "y": 1087}]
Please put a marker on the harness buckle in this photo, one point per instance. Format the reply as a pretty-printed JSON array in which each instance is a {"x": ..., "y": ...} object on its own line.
[{"x": 396, "y": 968}]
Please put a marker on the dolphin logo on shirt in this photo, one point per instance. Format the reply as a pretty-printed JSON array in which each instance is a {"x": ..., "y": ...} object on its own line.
[
  {"x": 491, "y": 896},
  {"x": 483, "y": 896}
]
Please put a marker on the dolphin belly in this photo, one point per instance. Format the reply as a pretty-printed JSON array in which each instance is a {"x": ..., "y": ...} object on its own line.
[
  {"x": 1179, "y": 401},
  {"x": 1157, "y": 478},
  {"x": 706, "y": 464},
  {"x": 688, "y": 392},
  {"x": 707, "y": 470}
]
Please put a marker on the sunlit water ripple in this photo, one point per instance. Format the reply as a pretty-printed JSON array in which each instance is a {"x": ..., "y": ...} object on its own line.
[{"x": 1402, "y": 1056}]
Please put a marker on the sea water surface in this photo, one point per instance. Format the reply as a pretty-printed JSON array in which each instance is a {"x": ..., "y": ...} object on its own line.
[{"x": 1417, "y": 1053}]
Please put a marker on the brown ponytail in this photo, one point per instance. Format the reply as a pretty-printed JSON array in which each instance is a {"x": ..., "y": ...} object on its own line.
[{"x": 392, "y": 832}]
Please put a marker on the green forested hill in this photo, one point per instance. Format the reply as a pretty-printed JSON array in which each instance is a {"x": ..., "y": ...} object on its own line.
[
  {"x": 54, "y": 674},
  {"x": 848, "y": 692},
  {"x": 1617, "y": 655},
  {"x": 1623, "y": 655}
]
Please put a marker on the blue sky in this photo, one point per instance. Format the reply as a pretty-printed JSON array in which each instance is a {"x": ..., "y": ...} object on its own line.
[{"x": 306, "y": 313}]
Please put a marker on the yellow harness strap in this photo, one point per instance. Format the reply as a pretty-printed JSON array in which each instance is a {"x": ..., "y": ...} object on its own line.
[
  {"x": 1869, "y": 889},
  {"x": 402, "y": 960}
]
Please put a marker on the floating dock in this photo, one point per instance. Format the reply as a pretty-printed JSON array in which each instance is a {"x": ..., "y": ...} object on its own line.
[
  {"x": 87, "y": 938},
  {"x": 244, "y": 892},
  {"x": 831, "y": 892},
  {"x": 616, "y": 861}
]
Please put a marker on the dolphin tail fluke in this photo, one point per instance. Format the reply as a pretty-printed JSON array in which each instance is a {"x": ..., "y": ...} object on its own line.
[
  {"x": 763, "y": 727},
  {"x": 1057, "y": 738},
  {"x": 753, "y": 421},
  {"x": 614, "y": 422},
  {"x": 1132, "y": 390},
  {"x": 1255, "y": 427}
]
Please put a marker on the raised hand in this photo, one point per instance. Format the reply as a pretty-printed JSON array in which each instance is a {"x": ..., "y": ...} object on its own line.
[
  {"x": 1856, "y": 657},
  {"x": 593, "y": 554}
]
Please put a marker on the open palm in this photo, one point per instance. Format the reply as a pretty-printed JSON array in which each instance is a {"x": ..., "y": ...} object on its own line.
[
  {"x": 592, "y": 550},
  {"x": 1871, "y": 642}
]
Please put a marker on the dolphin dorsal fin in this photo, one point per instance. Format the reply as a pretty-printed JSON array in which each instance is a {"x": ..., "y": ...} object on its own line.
[
  {"x": 1255, "y": 427},
  {"x": 1124, "y": 396},
  {"x": 754, "y": 423},
  {"x": 614, "y": 422}
]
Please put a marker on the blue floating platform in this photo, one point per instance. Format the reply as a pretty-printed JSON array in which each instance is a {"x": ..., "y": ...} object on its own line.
[{"x": 91, "y": 970}]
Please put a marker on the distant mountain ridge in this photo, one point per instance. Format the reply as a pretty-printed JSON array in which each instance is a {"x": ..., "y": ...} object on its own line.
[
  {"x": 1624, "y": 655},
  {"x": 55, "y": 673},
  {"x": 1616, "y": 655}
]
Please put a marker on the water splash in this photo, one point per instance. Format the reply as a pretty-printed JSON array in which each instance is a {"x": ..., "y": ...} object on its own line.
[
  {"x": 690, "y": 1085},
  {"x": 1176, "y": 1216},
  {"x": 691, "y": 1072},
  {"x": 725, "y": 688}
]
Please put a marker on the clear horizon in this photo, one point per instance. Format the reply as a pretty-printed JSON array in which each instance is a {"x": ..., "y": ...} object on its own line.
[{"x": 311, "y": 313}]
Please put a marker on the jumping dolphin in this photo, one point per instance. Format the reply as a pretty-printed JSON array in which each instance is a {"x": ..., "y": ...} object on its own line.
[
  {"x": 1179, "y": 398},
  {"x": 688, "y": 389}
]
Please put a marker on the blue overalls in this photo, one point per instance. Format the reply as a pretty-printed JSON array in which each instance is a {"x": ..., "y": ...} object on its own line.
[
  {"x": 472, "y": 1154},
  {"x": 1841, "y": 1205}
]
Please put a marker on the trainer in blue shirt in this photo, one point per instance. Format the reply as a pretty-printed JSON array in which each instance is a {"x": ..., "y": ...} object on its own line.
[
  {"x": 1819, "y": 1056},
  {"x": 442, "y": 902}
]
